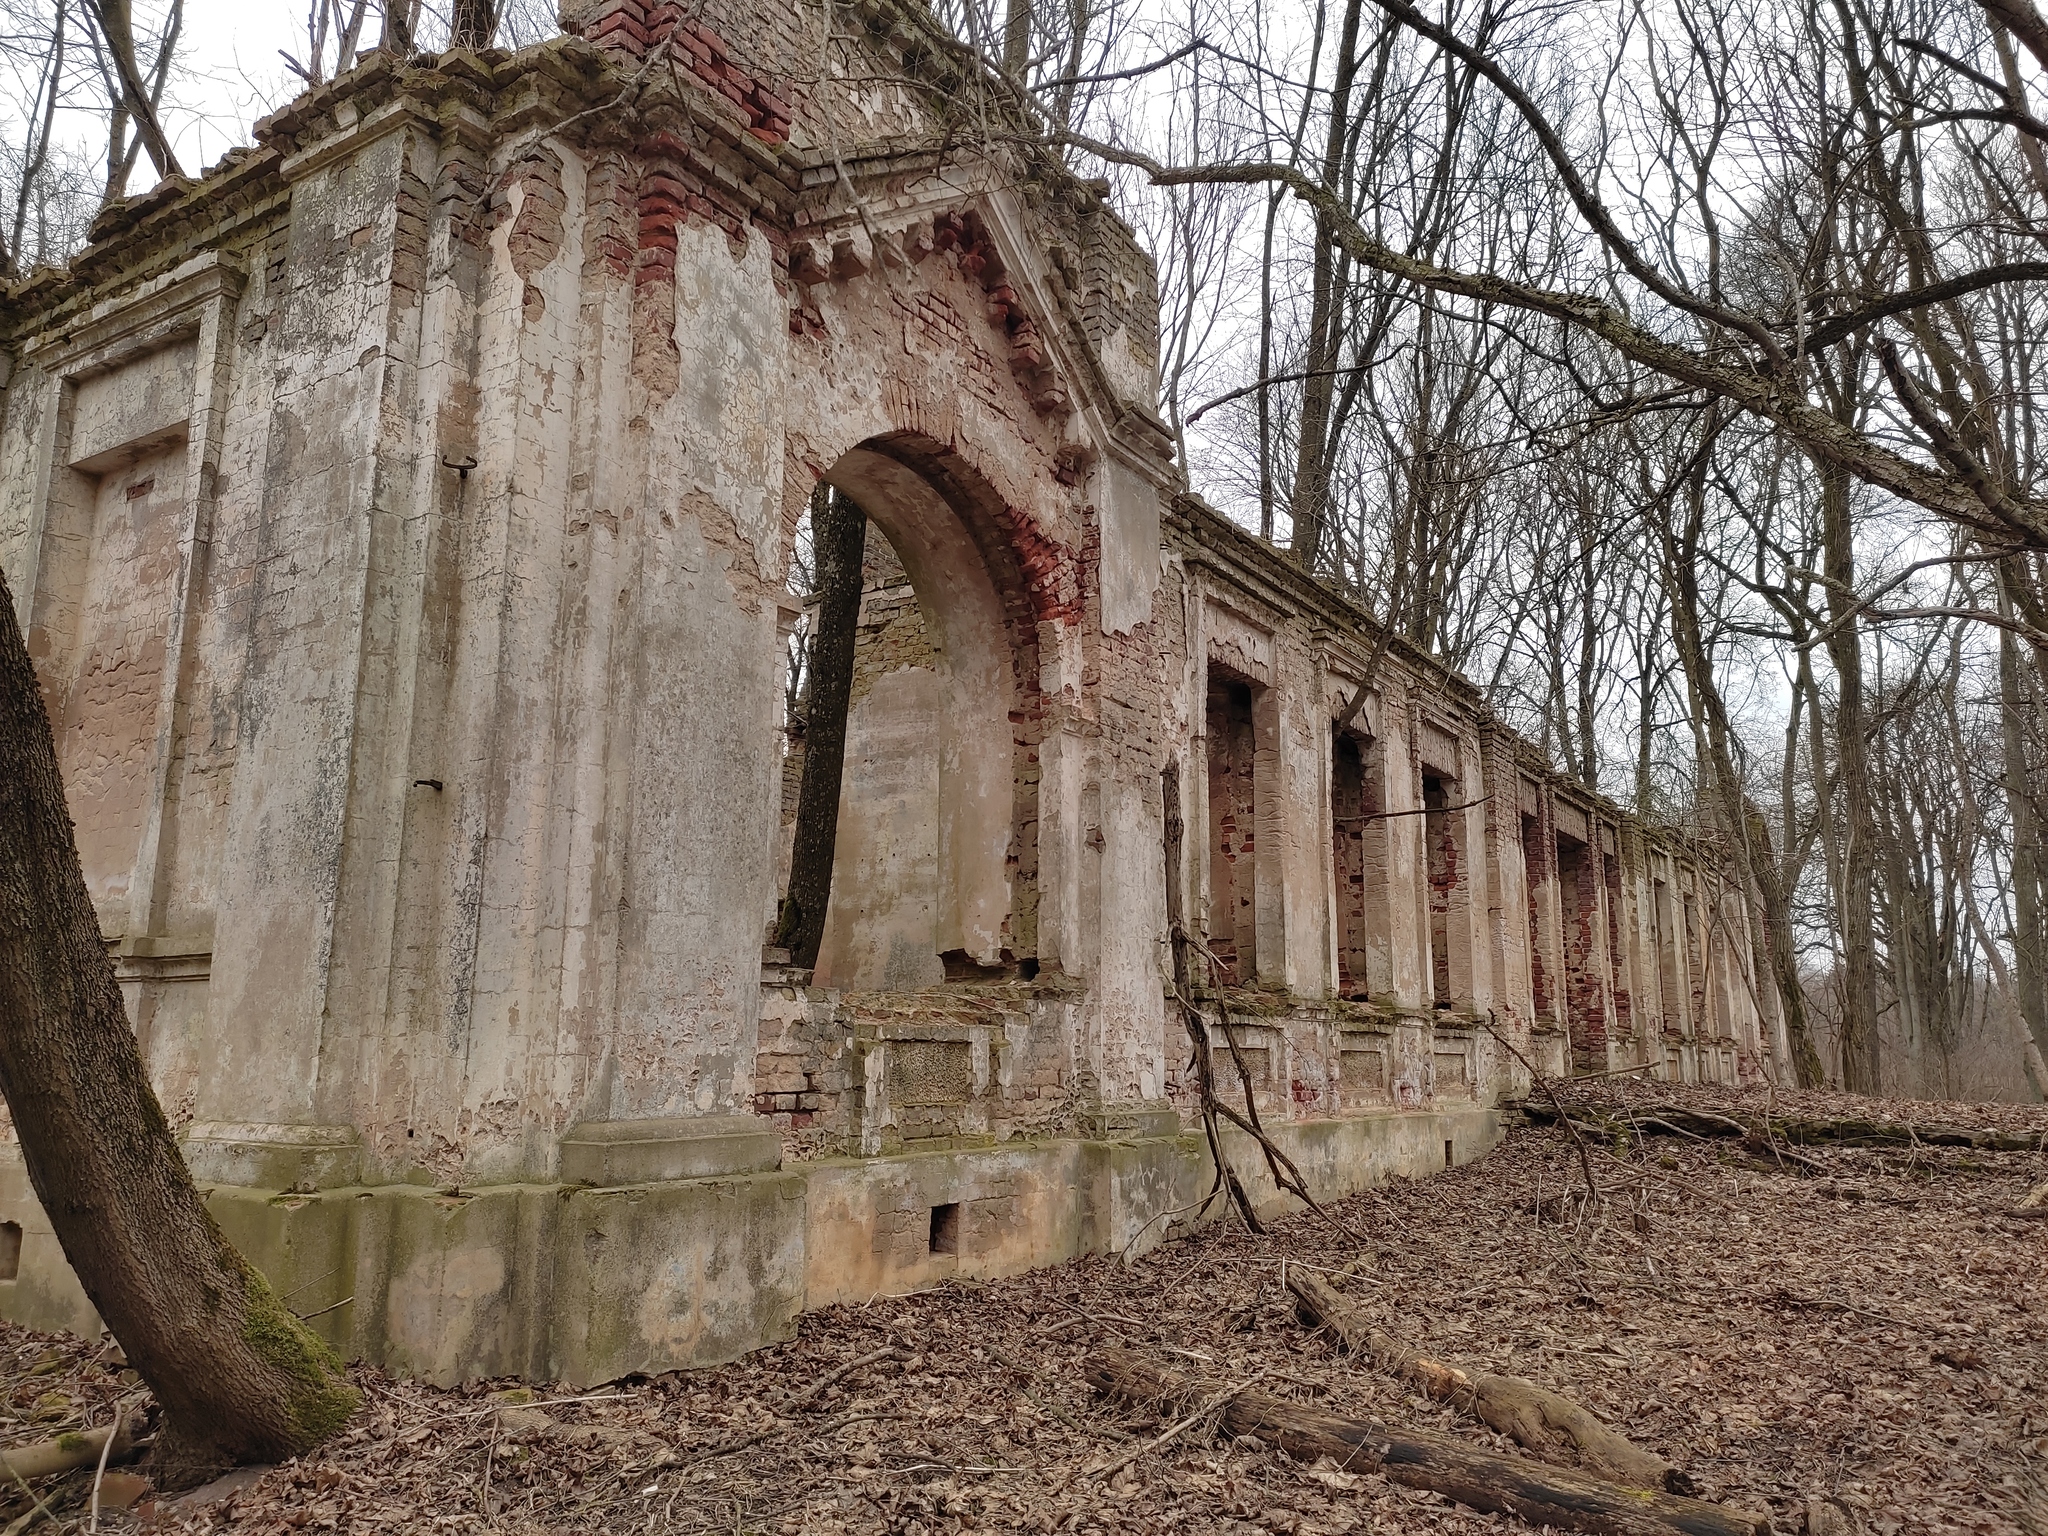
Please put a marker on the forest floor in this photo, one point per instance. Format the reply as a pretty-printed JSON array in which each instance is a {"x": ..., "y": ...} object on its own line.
[{"x": 1876, "y": 1339}]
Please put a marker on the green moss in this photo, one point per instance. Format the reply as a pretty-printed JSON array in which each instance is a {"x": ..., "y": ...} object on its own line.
[
  {"x": 71, "y": 1444},
  {"x": 320, "y": 1399}
]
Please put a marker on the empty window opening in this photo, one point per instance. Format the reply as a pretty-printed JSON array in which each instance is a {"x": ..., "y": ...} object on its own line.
[
  {"x": 946, "y": 1228},
  {"x": 1695, "y": 968},
  {"x": 1353, "y": 800},
  {"x": 1667, "y": 952},
  {"x": 1623, "y": 998},
  {"x": 1233, "y": 811},
  {"x": 912, "y": 740},
  {"x": 10, "y": 1249},
  {"x": 1450, "y": 1153},
  {"x": 1444, "y": 876},
  {"x": 1535, "y": 876},
  {"x": 1579, "y": 914}
]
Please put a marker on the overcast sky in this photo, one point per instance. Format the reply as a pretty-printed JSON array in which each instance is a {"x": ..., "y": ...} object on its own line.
[{"x": 233, "y": 74}]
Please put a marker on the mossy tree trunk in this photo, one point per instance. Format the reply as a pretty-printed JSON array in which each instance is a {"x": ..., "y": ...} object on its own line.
[
  {"x": 839, "y": 532},
  {"x": 238, "y": 1377}
]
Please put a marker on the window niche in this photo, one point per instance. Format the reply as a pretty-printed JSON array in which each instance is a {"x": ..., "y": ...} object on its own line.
[
  {"x": 1536, "y": 880},
  {"x": 1450, "y": 891},
  {"x": 1620, "y": 991},
  {"x": 1663, "y": 921},
  {"x": 934, "y": 857},
  {"x": 1358, "y": 831},
  {"x": 1233, "y": 829},
  {"x": 1579, "y": 915}
]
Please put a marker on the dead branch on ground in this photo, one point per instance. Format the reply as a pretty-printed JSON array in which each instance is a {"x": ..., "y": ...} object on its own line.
[
  {"x": 1534, "y": 1417},
  {"x": 1483, "y": 1480}
]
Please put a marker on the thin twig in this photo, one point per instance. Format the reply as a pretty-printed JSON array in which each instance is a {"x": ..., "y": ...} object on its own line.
[
  {"x": 1208, "y": 1406},
  {"x": 100, "y": 1472},
  {"x": 885, "y": 1352}
]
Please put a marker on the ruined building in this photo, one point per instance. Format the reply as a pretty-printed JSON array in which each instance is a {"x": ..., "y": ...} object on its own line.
[{"x": 401, "y": 517}]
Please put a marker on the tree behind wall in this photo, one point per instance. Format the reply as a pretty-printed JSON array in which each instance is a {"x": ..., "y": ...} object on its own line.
[
  {"x": 839, "y": 532},
  {"x": 238, "y": 1377}
]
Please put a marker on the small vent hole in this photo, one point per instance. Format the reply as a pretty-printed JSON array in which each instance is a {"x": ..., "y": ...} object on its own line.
[
  {"x": 1450, "y": 1154},
  {"x": 946, "y": 1228},
  {"x": 10, "y": 1249}
]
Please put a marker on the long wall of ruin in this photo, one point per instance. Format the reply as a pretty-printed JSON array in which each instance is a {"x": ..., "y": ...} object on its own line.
[{"x": 401, "y": 516}]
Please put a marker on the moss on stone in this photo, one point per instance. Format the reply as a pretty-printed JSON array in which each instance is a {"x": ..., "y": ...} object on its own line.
[{"x": 320, "y": 1399}]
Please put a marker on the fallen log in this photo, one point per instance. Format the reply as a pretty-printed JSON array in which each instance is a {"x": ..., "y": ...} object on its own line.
[
  {"x": 1534, "y": 1417},
  {"x": 1487, "y": 1481},
  {"x": 1844, "y": 1131},
  {"x": 66, "y": 1453}
]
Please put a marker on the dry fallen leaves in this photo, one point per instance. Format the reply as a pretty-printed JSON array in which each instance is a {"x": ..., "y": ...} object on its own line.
[{"x": 1864, "y": 1350}]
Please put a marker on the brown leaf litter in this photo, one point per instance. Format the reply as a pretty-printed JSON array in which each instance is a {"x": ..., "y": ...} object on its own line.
[{"x": 1865, "y": 1350}]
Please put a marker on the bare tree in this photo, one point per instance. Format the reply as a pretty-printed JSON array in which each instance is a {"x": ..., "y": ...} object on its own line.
[
  {"x": 237, "y": 1376},
  {"x": 329, "y": 22}
]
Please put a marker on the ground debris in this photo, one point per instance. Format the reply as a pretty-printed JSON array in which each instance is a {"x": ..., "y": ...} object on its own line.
[{"x": 1871, "y": 1365}]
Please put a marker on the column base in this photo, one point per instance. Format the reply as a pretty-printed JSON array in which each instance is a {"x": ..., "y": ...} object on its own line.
[
  {"x": 609, "y": 1153},
  {"x": 299, "y": 1158}
]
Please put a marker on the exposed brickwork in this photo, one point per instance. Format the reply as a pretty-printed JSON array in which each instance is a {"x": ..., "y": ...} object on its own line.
[
  {"x": 892, "y": 634},
  {"x": 1353, "y": 797},
  {"x": 660, "y": 202},
  {"x": 1233, "y": 829},
  {"x": 536, "y": 235},
  {"x": 610, "y": 220},
  {"x": 636, "y": 28},
  {"x": 573, "y": 671}
]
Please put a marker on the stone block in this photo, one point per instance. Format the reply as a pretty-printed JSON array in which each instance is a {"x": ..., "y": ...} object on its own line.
[
  {"x": 455, "y": 1287},
  {"x": 42, "y": 1292},
  {"x": 608, "y": 1153},
  {"x": 778, "y": 1073},
  {"x": 295, "y": 1157},
  {"x": 681, "y": 1274},
  {"x": 303, "y": 1245},
  {"x": 1128, "y": 1122}
]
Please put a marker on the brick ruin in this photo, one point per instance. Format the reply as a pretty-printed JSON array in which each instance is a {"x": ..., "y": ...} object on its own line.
[{"x": 400, "y": 516}]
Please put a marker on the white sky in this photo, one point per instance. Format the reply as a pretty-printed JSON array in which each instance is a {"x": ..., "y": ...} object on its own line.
[{"x": 233, "y": 74}]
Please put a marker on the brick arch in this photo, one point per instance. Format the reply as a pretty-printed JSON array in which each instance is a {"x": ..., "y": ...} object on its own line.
[{"x": 982, "y": 591}]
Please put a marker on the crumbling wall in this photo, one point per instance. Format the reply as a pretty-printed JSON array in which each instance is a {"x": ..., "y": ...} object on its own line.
[{"x": 401, "y": 515}]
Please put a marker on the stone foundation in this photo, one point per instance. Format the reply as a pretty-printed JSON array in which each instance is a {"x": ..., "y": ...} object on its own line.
[{"x": 583, "y": 1283}]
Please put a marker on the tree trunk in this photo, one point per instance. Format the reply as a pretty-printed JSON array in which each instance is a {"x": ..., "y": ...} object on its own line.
[
  {"x": 1779, "y": 948},
  {"x": 398, "y": 28},
  {"x": 473, "y": 24},
  {"x": 133, "y": 99},
  {"x": 1017, "y": 39},
  {"x": 1766, "y": 885},
  {"x": 1855, "y": 913},
  {"x": 238, "y": 1377},
  {"x": 839, "y": 531},
  {"x": 1309, "y": 503}
]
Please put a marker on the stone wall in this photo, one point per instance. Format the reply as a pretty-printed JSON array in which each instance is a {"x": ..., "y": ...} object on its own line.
[{"x": 400, "y": 517}]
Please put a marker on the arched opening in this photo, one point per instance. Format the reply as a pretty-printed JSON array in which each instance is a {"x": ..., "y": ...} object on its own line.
[{"x": 934, "y": 855}]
